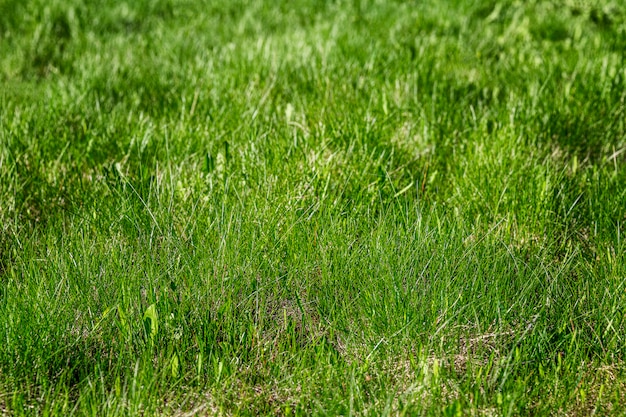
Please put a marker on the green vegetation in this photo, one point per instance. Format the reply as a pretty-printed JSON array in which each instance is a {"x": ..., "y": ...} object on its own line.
[{"x": 304, "y": 207}]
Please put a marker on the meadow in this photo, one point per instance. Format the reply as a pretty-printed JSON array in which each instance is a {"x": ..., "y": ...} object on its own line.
[{"x": 309, "y": 207}]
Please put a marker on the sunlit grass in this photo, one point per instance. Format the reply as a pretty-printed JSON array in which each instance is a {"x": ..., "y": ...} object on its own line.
[{"x": 311, "y": 207}]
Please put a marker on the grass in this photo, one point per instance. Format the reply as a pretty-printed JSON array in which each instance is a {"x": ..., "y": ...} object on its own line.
[{"x": 312, "y": 208}]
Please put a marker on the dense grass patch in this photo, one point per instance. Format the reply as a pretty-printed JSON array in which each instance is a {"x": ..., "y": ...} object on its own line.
[{"x": 312, "y": 207}]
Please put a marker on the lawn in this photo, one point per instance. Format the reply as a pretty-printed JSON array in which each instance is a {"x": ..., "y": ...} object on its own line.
[{"x": 309, "y": 207}]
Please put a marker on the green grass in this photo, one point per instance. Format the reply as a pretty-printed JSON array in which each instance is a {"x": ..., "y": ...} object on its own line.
[{"x": 312, "y": 207}]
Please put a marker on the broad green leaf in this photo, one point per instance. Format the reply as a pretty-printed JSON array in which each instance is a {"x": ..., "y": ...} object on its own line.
[
  {"x": 151, "y": 322},
  {"x": 175, "y": 365}
]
